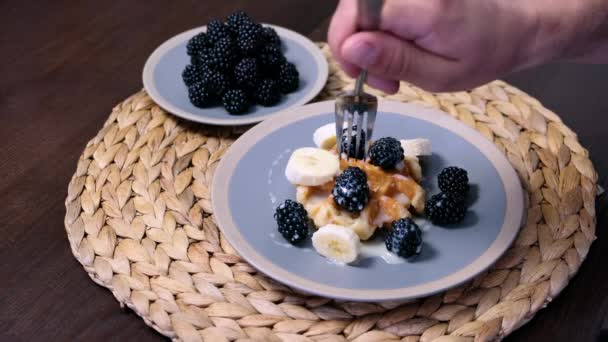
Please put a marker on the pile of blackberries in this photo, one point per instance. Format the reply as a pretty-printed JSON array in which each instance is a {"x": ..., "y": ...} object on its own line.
[{"x": 238, "y": 63}]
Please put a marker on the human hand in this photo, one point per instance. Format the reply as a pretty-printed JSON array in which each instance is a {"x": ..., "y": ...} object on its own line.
[{"x": 444, "y": 45}]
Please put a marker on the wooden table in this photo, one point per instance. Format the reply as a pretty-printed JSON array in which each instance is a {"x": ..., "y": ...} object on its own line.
[{"x": 64, "y": 64}]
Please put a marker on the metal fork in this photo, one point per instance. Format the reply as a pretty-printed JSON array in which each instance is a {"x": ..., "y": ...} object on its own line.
[{"x": 357, "y": 107}]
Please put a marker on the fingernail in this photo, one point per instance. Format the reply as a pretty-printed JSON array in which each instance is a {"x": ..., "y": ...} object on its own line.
[{"x": 361, "y": 53}]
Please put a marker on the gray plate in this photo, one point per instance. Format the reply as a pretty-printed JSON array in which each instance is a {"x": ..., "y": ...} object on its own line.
[
  {"x": 163, "y": 82},
  {"x": 249, "y": 183}
]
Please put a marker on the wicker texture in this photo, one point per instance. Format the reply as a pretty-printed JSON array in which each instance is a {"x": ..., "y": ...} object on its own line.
[{"x": 139, "y": 220}]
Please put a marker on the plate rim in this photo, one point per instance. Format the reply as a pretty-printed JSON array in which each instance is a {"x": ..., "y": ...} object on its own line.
[
  {"x": 161, "y": 50},
  {"x": 514, "y": 212}
]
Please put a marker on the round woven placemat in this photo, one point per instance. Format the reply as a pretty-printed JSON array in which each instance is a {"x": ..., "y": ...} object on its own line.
[{"x": 139, "y": 220}]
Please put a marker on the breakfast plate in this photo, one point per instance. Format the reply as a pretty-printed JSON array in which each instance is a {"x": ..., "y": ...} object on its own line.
[
  {"x": 163, "y": 81},
  {"x": 250, "y": 183}
]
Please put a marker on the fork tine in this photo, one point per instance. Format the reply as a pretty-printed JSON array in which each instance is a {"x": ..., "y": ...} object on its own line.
[
  {"x": 339, "y": 118},
  {"x": 359, "y": 139},
  {"x": 371, "y": 119},
  {"x": 349, "y": 124}
]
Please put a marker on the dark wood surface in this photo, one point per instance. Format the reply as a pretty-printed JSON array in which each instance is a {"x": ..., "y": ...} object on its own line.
[{"x": 65, "y": 64}]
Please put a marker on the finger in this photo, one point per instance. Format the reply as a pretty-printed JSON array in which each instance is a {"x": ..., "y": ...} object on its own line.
[
  {"x": 350, "y": 69},
  {"x": 343, "y": 24},
  {"x": 388, "y": 57},
  {"x": 387, "y": 86},
  {"x": 411, "y": 19}
]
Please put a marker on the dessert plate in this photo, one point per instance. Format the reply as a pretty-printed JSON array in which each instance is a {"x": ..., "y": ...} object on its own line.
[
  {"x": 250, "y": 182},
  {"x": 163, "y": 81}
]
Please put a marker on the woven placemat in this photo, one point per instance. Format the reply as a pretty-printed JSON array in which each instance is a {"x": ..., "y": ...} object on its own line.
[{"x": 139, "y": 219}]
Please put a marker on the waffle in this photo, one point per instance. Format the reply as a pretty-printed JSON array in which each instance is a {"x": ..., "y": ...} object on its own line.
[{"x": 392, "y": 195}]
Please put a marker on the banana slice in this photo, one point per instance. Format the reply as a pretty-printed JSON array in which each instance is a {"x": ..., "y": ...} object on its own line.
[
  {"x": 413, "y": 166},
  {"x": 416, "y": 147},
  {"x": 311, "y": 166},
  {"x": 337, "y": 243},
  {"x": 325, "y": 136}
]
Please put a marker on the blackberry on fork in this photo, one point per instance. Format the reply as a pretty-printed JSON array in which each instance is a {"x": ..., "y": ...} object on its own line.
[{"x": 352, "y": 152}]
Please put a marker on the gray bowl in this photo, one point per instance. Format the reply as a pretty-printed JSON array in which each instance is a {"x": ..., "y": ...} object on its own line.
[
  {"x": 163, "y": 81},
  {"x": 250, "y": 182}
]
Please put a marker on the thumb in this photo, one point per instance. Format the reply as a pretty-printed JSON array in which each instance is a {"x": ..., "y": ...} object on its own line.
[{"x": 388, "y": 57}]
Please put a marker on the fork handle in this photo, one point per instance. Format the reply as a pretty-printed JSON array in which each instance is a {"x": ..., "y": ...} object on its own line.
[
  {"x": 360, "y": 82},
  {"x": 368, "y": 14},
  {"x": 368, "y": 18}
]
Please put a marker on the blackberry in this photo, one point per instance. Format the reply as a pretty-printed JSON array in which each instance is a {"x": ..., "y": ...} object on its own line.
[
  {"x": 206, "y": 74},
  {"x": 404, "y": 238},
  {"x": 453, "y": 179},
  {"x": 225, "y": 46},
  {"x": 197, "y": 43},
  {"x": 216, "y": 30},
  {"x": 386, "y": 153},
  {"x": 223, "y": 55},
  {"x": 293, "y": 221},
  {"x": 289, "y": 78},
  {"x": 351, "y": 191},
  {"x": 249, "y": 38},
  {"x": 246, "y": 73},
  {"x": 267, "y": 93},
  {"x": 200, "y": 96},
  {"x": 235, "y": 101},
  {"x": 352, "y": 151},
  {"x": 218, "y": 62},
  {"x": 192, "y": 74},
  {"x": 202, "y": 56},
  {"x": 216, "y": 82},
  {"x": 237, "y": 20},
  {"x": 445, "y": 208},
  {"x": 270, "y": 37},
  {"x": 271, "y": 58}
]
